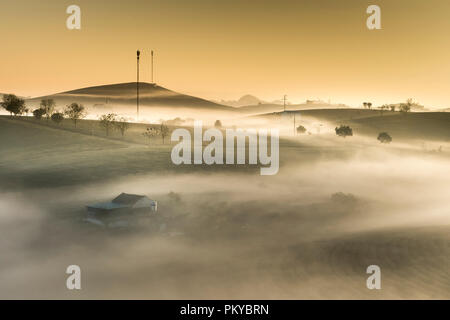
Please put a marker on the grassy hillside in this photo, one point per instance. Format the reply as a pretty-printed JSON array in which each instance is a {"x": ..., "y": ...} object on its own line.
[
  {"x": 121, "y": 99},
  {"x": 414, "y": 125},
  {"x": 308, "y": 232}
]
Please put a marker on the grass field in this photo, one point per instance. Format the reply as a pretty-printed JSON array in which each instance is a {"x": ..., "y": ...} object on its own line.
[{"x": 336, "y": 206}]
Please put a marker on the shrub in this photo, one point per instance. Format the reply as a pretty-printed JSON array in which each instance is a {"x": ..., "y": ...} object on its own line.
[
  {"x": 38, "y": 113},
  {"x": 344, "y": 131},
  {"x": 57, "y": 117},
  {"x": 384, "y": 137},
  {"x": 301, "y": 129}
]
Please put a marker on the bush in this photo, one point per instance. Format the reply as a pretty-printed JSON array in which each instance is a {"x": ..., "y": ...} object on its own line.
[
  {"x": 57, "y": 117},
  {"x": 384, "y": 137},
  {"x": 38, "y": 113},
  {"x": 344, "y": 131},
  {"x": 301, "y": 129},
  {"x": 106, "y": 121}
]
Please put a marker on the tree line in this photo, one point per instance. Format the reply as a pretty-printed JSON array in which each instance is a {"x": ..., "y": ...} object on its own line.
[{"x": 75, "y": 111}]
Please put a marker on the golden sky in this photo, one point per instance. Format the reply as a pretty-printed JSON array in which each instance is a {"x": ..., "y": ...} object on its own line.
[{"x": 224, "y": 49}]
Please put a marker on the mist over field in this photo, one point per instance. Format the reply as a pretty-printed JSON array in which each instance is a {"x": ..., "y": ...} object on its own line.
[{"x": 335, "y": 207}]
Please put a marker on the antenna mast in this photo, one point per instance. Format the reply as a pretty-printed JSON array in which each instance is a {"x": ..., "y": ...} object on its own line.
[
  {"x": 137, "y": 85},
  {"x": 152, "y": 68}
]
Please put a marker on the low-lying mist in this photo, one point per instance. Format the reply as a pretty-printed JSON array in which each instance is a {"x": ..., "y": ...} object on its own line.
[{"x": 308, "y": 232}]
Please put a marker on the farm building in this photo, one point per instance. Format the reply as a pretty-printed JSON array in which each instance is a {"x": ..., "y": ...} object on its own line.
[{"x": 123, "y": 211}]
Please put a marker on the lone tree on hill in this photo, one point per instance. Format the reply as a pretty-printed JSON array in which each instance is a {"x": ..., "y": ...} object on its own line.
[
  {"x": 121, "y": 125},
  {"x": 107, "y": 121},
  {"x": 384, "y": 137},
  {"x": 344, "y": 131},
  {"x": 48, "y": 105},
  {"x": 384, "y": 107},
  {"x": 151, "y": 132},
  {"x": 301, "y": 129},
  {"x": 406, "y": 107},
  {"x": 164, "y": 131},
  {"x": 75, "y": 112},
  {"x": 38, "y": 113},
  {"x": 57, "y": 117},
  {"x": 13, "y": 104}
]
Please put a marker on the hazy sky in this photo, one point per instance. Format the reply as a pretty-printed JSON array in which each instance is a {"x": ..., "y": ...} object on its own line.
[{"x": 224, "y": 49}]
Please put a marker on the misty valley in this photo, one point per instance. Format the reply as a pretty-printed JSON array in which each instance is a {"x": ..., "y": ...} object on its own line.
[{"x": 224, "y": 150}]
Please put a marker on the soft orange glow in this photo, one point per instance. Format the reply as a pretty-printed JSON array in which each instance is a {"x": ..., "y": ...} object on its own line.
[{"x": 224, "y": 49}]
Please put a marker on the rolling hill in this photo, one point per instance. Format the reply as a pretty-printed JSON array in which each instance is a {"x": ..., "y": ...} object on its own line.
[
  {"x": 121, "y": 98},
  {"x": 275, "y": 107}
]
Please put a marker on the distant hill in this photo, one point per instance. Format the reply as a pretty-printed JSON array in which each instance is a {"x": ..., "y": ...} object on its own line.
[
  {"x": 121, "y": 98},
  {"x": 414, "y": 125},
  {"x": 2, "y": 94},
  {"x": 270, "y": 108},
  {"x": 246, "y": 100}
]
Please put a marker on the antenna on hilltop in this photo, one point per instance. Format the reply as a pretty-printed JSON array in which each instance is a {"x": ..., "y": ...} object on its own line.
[
  {"x": 152, "y": 68},
  {"x": 138, "y": 53}
]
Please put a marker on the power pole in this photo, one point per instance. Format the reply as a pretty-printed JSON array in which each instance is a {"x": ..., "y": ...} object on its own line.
[
  {"x": 137, "y": 86},
  {"x": 152, "y": 68},
  {"x": 294, "y": 124},
  {"x": 284, "y": 102}
]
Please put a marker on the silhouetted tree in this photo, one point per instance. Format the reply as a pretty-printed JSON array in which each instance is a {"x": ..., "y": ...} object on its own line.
[
  {"x": 365, "y": 104},
  {"x": 393, "y": 107},
  {"x": 151, "y": 132},
  {"x": 344, "y": 131},
  {"x": 405, "y": 108},
  {"x": 107, "y": 121},
  {"x": 38, "y": 113},
  {"x": 384, "y": 107},
  {"x": 218, "y": 124},
  {"x": 48, "y": 105},
  {"x": 369, "y": 105},
  {"x": 384, "y": 137},
  {"x": 13, "y": 104},
  {"x": 164, "y": 131},
  {"x": 301, "y": 129},
  {"x": 57, "y": 117},
  {"x": 121, "y": 125},
  {"x": 75, "y": 112}
]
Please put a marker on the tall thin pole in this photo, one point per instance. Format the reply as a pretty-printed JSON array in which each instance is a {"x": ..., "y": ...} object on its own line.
[
  {"x": 152, "y": 67},
  {"x": 294, "y": 125},
  {"x": 137, "y": 85},
  {"x": 284, "y": 103}
]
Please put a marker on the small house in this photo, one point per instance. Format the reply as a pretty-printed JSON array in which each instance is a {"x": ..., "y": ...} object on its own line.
[{"x": 123, "y": 211}]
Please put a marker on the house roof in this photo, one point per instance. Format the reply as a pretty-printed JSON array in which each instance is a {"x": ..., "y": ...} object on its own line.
[
  {"x": 122, "y": 201},
  {"x": 127, "y": 199},
  {"x": 107, "y": 206}
]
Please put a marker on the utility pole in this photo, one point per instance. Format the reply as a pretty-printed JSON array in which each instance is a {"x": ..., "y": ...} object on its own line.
[
  {"x": 294, "y": 125},
  {"x": 152, "y": 68},
  {"x": 137, "y": 86},
  {"x": 284, "y": 102}
]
